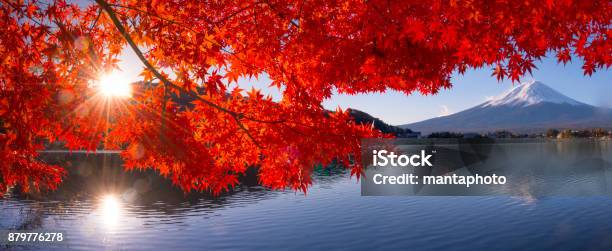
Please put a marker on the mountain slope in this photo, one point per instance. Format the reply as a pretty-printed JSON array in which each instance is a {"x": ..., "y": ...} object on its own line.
[
  {"x": 529, "y": 107},
  {"x": 365, "y": 118}
]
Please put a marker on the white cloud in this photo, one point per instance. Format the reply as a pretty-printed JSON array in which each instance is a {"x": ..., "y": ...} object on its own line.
[{"x": 445, "y": 111}]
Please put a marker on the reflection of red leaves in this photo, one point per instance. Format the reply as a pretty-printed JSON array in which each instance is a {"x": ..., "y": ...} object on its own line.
[{"x": 308, "y": 52}]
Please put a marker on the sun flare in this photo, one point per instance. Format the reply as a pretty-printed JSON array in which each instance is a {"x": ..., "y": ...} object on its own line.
[
  {"x": 110, "y": 209},
  {"x": 114, "y": 85}
]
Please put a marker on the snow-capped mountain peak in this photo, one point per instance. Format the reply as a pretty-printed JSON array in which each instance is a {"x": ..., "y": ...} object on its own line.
[
  {"x": 528, "y": 107},
  {"x": 531, "y": 93}
]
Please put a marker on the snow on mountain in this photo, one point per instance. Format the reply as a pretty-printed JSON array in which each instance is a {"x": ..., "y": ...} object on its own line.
[
  {"x": 528, "y": 107},
  {"x": 531, "y": 93}
]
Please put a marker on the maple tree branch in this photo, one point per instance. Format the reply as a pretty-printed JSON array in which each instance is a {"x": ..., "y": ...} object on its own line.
[
  {"x": 145, "y": 61},
  {"x": 248, "y": 133},
  {"x": 211, "y": 41},
  {"x": 236, "y": 116},
  {"x": 179, "y": 24},
  {"x": 233, "y": 54},
  {"x": 95, "y": 22},
  {"x": 239, "y": 115}
]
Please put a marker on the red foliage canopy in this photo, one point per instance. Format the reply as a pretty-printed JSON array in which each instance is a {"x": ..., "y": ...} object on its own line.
[{"x": 51, "y": 53}]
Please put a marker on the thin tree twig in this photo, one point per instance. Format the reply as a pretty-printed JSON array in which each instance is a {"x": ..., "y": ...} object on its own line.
[
  {"x": 236, "y": 116},
  {"x": 93, "y": 25},
  {"x": 179, "y": 24}
]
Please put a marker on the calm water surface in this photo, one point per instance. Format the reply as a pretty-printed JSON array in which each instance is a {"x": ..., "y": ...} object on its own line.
[{"x": 100, "y": 207}]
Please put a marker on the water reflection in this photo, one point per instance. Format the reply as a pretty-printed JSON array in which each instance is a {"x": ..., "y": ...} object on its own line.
[
  {"x": 95, "y": 176},
  {"x": 110, "y": 210},
  {"x": 102, "y": 207}
]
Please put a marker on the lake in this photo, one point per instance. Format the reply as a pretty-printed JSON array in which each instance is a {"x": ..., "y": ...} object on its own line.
[{"x": 101, "y": 207}]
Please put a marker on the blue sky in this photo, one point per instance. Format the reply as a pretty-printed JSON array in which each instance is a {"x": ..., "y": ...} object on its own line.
[{"x": 470, "y": 89}]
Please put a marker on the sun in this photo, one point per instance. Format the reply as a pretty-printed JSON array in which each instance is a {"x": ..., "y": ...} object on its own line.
[{"x": 114, "y": 85}]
